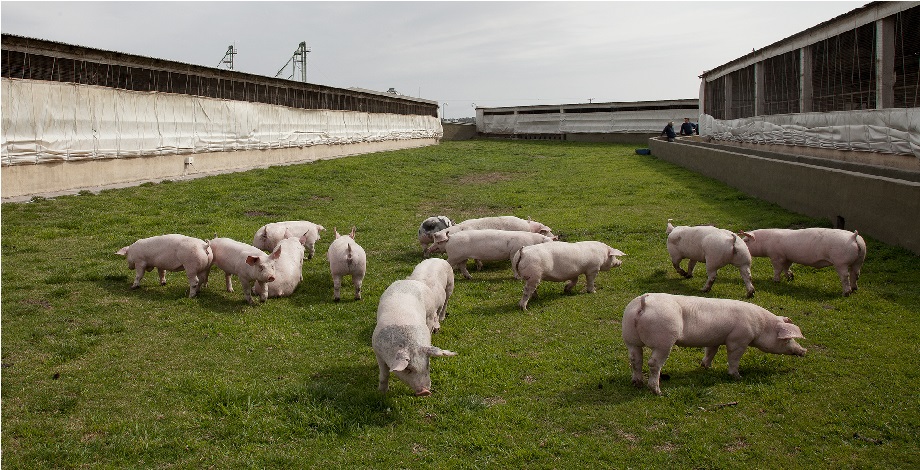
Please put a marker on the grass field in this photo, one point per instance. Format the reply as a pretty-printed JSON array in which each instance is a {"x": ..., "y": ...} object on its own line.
[{"x": 97, "y": 375}]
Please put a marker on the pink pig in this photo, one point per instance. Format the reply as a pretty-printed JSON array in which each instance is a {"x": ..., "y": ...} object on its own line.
[
  {"x": 661, "y": 321},
  {"x": 171, "y": 252},
  {"x": 815, "y": 247}
]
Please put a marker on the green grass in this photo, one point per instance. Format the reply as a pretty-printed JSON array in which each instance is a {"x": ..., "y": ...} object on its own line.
[{"x": 95, "y": 374}]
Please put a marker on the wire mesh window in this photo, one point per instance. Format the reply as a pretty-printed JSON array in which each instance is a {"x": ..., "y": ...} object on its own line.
[
  {"x": 781, "y": 83},
  {"x": 715, "y": 98},
  {"x": 22, "y": 65},
  {"x": 843, "y": 71},
  {"x": 907, "y": 59},
  {"x": 743, "y": 93}
]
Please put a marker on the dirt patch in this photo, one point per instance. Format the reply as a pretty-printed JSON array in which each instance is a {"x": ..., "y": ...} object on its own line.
[
  {"x": 38, "y": 303},
  {"x": 256, "y": 214},
  {"x": 485, "y": 178}
]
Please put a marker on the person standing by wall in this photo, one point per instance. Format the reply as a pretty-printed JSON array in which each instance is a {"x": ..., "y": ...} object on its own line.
[
  {"x": 669, "y": 131},
  {"x": 686, "y": 128}
]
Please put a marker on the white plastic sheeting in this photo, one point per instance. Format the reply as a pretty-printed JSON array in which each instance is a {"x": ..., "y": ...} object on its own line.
[
  {"x": 894, "y": 130},
  {"x": 647, "y": 121},
  {"x": 51, "y": 121}
]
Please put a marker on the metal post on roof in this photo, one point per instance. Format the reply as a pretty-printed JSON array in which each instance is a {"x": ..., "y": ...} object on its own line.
[
  {"x": 228, "y": 57},
  {"x": 299, "y": 58}
]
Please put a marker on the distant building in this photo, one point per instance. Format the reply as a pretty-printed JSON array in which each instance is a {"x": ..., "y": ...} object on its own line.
[{"x": 588, "y": 122}]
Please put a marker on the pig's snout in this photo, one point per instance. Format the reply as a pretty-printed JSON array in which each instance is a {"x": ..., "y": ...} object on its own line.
[
  {"x": 270, "y": 279},
  {"x": 423, "y": 393},
  {"x": 801, "y": 353}
]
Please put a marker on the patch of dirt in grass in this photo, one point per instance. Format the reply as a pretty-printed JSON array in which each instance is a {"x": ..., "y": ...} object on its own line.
[
  {"x": 38, "y": 303},
  {"x": 739, "y": 444},
  {"x": 485, "y": 178},
  {"x": 492, "y": 401},
  {"x": 256, "y": 214},
  {"x": 627, "y": 436},
  {"x": 666, "y": 447},
  {"x": 418, "y": 448},
  {"x": 529, "y": 379},
  {"x": 321, "y": 198}
]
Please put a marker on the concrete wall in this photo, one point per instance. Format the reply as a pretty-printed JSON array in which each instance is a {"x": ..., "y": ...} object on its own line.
[
  {"x": 22, "y": 182},
  {"x": 458, "y": 131},
  {"x": 877, "y": 206}
]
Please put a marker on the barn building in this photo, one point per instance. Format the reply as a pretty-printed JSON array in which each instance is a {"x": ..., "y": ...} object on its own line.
[{"x": 76, "y": 117}]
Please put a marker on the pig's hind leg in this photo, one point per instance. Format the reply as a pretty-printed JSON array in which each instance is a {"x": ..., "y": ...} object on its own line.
[
  {"x": 655, "y": 363},
  {"x": 709, "y": 356}
]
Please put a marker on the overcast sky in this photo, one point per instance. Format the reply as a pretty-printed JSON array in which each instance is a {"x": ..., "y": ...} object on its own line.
[{"x": 462, "y": 53}]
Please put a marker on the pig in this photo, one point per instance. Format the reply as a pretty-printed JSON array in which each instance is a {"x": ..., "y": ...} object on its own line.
[
  {"x": 249, "y": 263},
  {"x": 346, "y": 258},
  {"x": 486, "y": 245},
  {"x": 269, "y": 235},
  {"x": 288, "y": 268},
  {"x": 171, "y": 252},
  {"x": 438, "y": 275},
  {"x": 815, "y": 247},
  {"x": 714, "y": 246},
  {"x": 430, "y": 226},
  {"x": 561, "y": 262},
  {"x": 661, "y": 321},
  {"x": 402, "y": 339},
  {"x": 505, "y": 222}
]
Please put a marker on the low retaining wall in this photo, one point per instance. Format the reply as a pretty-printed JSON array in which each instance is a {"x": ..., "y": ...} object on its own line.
[
  {"x": 881, "y": 207},
  {"x": 21, "y": 182}
]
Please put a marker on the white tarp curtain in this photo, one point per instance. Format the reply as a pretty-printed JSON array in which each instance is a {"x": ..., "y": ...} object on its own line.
[
  {"x": 648, "y": 121},
  {"x": 51, "y": 121},
  {"x": 894, "y": 130}
]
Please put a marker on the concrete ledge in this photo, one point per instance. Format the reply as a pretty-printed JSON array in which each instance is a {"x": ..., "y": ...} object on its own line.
[
  {"x": 882, "y": 207},
  {"x": 22, "y": 182}
]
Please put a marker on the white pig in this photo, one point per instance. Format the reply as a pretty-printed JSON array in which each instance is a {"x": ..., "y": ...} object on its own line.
[
  {"x": 430, "y": 226},
  {"x": 815, "y": 247},
  {"x": 171, "y": 252},
  {"x": 505, "y": 222},
  {"x": 402, "y": 339},
  {"x": 714, "y": 246},
  {"x": 346, "y": 258},
  {"x": 288, "y": 268},
  {"x": 249, "y": 263},
  {"x": 438, "y": 275},
  {"x": 660, "y": 321},
  {"x": 486, "y": 245},
  {"x": 561, "y": 262},
  {"x": 269, "y": 235}
]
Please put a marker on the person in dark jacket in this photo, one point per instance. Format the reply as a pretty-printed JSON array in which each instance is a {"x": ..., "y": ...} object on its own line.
[
  {"x": 687, "y": 127},
  {"x": 669, "y": 131}
]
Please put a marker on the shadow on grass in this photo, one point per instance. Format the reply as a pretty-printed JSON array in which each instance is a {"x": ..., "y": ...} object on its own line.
[{"x": 338, "y": 400}]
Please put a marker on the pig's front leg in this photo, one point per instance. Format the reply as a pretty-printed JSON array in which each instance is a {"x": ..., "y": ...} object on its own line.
[
  {"x": 162, "y": 273},
  {"x": 590, "y": 276},
  {"x": 383, "y": 381}
]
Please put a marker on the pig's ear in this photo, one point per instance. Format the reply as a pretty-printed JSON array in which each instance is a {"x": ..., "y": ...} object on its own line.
[
  {"x": 401, "y": 361},
  {"x": 353, "y": 229},
  {"x": 252, "y": 260},
  {"x": 123, "y": 251},
  {"x": 277, "y": 253},
  {"x": 303, "y": 239},
  {"x": 320, "y": 228},
  {"x": 287, "y": 233},
  {"x": 785, "y": 330},
  {"x": 615, "y": 252},
  {"x": 438, "y": 352},
  {"x": 336, "y": 230},
  {"x": 745, "y": 236}
]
